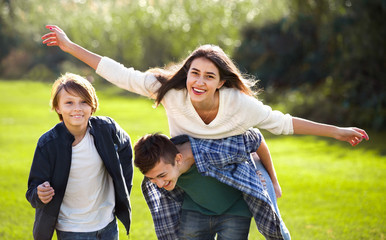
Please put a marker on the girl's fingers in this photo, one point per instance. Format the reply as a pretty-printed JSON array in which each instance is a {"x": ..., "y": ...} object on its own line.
[
  {"x": 54, "y": 28},
  {"x": 48, "y": 35},
  {"x": 365, "y": 136},
  {"x": 49, "y": 40},
  {"x": 363, "y": 132},
  {"x": 52, "y": 44},
  {"x": 356, "y": 141},
  {"x": 51, "y": 27}
]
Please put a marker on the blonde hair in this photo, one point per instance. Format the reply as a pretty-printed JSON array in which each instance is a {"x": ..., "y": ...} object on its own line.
[{"x": 76, "y": 85}]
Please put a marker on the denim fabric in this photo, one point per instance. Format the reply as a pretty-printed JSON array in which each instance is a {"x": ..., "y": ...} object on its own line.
[
  {"x": 110, "y": 232},
  {"x": 262, "y": 172},
  {"x": 197, "y": 226}
]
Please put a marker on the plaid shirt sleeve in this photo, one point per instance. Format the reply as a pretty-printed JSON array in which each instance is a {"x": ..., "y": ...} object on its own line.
[
  {"x": 228, "y": 160},
  {"x": 165, "y": 208}
]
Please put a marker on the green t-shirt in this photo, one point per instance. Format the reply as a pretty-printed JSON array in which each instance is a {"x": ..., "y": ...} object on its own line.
[{"x": 209, "y": 196}]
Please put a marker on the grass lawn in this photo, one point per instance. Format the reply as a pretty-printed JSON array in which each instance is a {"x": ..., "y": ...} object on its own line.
[{"x": 330, "y": 189}]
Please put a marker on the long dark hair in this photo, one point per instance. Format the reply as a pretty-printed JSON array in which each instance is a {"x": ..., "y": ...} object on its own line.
[{"x": 228, "y": 72}]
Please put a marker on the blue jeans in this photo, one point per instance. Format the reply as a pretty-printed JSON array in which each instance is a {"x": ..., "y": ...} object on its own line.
[
  {"x": 110, "y": 232},
  {"x": 197, "y": 226},
  {"x": 262, "y": 172}
]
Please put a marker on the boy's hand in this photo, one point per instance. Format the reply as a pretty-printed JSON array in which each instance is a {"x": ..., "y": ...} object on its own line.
[
  {"x": 57, "y": 37},
  {"x": 45, "y": 192}
]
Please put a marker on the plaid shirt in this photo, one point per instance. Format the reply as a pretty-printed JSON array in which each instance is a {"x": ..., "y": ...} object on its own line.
[{"x": 228, "y": 160}]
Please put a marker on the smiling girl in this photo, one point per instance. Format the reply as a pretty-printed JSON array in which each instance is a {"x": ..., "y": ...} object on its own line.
[{"x": 81, "y": 174}]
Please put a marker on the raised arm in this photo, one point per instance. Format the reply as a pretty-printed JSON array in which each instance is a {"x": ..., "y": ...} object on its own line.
[
  {"x": 57, "y": 37},
  {"x": 351, "y": 135}
]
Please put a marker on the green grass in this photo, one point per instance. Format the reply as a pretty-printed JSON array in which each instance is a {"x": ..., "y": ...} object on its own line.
[{"x": 330, "y": 189}]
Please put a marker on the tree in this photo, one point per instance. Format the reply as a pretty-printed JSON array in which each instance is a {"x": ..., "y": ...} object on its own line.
[{"x": 329, "y": 58}]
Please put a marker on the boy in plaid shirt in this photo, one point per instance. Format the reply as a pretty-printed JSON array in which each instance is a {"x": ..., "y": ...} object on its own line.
[{"x": 197, "y": 188}]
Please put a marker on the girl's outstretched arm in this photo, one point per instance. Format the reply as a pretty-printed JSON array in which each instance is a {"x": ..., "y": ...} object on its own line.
[
  {"x": 57, "y": 37},
  {"x": 351, "y": 135}
]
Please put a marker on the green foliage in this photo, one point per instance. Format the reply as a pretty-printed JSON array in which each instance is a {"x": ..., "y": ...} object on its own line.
[
  {"x": 6, "y": 34},
  {"x": 331, "y": 53},
  {"x": 330, "y": 190},
  {"x": 137, "y": 33}
]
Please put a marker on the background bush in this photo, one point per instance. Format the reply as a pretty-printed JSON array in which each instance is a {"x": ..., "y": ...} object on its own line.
[{"x": 325, "y": 61}]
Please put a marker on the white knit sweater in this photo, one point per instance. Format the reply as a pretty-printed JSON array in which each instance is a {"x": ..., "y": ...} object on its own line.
[{"x": 237, "y": 111}]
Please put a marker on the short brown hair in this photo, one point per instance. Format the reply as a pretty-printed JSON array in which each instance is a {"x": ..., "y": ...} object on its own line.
[
  {"x": 150, "y": 148},
  {"x": 75, "y": 84}
]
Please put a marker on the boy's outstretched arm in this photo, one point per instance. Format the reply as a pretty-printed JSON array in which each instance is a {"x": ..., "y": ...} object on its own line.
[
  {"x": 57, "y": 37},
  {"x": 351, "y": 135},
  {"x": 266, "y": 160}
]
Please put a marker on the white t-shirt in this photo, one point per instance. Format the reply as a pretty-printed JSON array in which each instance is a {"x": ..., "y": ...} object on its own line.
[
  {"x": 237, "y": 111},
  {"x": 89, "y": 200}
]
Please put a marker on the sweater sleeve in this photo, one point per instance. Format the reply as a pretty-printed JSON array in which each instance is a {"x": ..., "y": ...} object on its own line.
[
  {"x": 129, "y": 79},
  {"x": 250, "y": 112}
]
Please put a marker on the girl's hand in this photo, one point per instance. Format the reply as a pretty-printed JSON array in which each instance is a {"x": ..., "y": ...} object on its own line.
[
  {"x": 45, "y": 192},
  {"x": 57, "y": 37},
  {"x": 277, "y": 188},
  {"x": 352, "y": 135}
]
